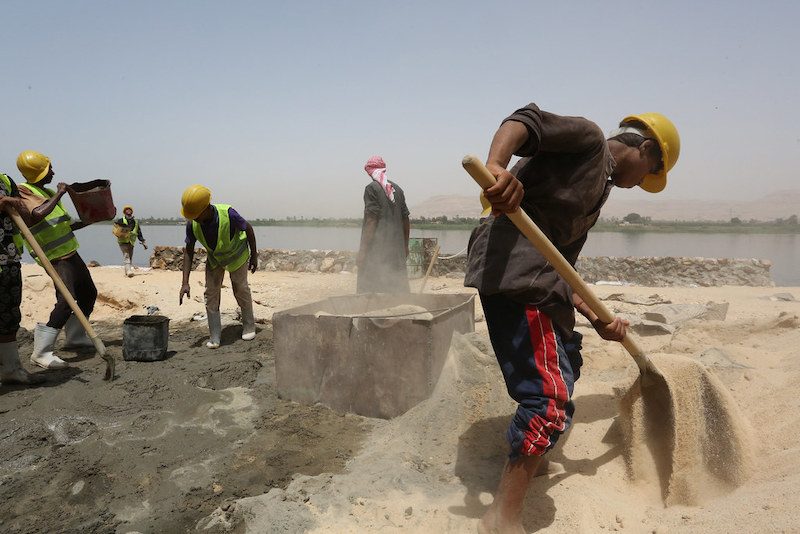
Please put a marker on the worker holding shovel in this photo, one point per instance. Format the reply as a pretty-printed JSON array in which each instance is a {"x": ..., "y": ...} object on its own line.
[
  {"x": 127, "y": 231},
  {"x": 566, "y": 173},
  {"x": 53, "y": 228},
  {"x": 231, "y": 246},
  {"x": 11, "y": 372}
]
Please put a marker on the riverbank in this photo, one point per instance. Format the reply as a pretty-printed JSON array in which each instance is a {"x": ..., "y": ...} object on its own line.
[
  {"x": 656, "y": 272},
  {"x": 783, "y": 251},
  {"x": 203, "y": 437}
]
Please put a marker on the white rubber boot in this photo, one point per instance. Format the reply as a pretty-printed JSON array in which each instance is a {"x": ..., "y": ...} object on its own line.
[
  {"x": 248, "y": 322},
  {"x": 76, "y": 336},
  {"x": 214, "y": 329},
  {"x": 44, "y": 342},
  {"x": 11, "y": 372},
  {"x": 128, "y": 266}
]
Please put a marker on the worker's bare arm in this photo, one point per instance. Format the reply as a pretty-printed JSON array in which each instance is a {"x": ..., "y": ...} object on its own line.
[
  {"x": 188, "y": 259},
  {"x": 8, "y": 202},
  {"x": 506, "y": 195},
  {"x": 44, "y": 209},
  {"x": 613, "y": 331},
  {"x": 251, "y": 241}
]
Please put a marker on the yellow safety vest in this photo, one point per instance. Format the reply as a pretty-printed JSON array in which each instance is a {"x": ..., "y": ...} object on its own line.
[
  {"x": 229, "y": 253},
  {"x": 53, "y": 233},
  {"x": 132, "y": 235},
  {"x": 5, "y": 180}
]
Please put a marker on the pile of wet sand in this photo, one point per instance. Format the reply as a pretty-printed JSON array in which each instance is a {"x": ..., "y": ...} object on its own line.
[{"x": 161, "y": 446}]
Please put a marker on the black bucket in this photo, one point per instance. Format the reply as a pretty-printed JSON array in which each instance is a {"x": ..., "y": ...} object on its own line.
[{"x": 145, "y": 338}]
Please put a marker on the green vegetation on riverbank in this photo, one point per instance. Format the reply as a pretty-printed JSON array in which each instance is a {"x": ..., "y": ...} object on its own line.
[{"x": 631, "y": 223}]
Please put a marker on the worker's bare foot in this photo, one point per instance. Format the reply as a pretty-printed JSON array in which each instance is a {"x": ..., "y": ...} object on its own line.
[
  {"x": 492, "y": 523},
  {"x": 546, "y": 467}
]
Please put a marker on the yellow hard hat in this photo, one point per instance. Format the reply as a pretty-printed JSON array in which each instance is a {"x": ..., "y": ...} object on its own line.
[
  {"x": 33, "y": 165},
  {"x": 127, "y": 207},
  {"x": 486, "y": 205},
  {"x": 195, "y": 199},
  {"x": 665, "y": 133}
]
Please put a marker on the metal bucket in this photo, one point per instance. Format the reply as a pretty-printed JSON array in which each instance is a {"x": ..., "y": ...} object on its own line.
[
  {"x": 145, "y": 338},
  {"x": 93, "y": 200}
]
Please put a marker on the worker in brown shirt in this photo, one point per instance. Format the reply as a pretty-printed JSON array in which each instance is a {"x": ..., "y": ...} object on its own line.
[{"x": 566, "y": 173}]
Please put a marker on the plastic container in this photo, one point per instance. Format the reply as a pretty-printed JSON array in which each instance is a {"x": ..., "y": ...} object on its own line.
[
  {"x": 145, "y": 338},
  {"x": 93, "y": 200}
]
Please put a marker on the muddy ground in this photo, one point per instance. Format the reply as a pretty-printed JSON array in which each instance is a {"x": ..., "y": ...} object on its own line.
[{"x": 165, "y": 443}]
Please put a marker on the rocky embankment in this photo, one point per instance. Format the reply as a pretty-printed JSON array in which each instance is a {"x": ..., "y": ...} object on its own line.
[{"x": 652, "y": 271}]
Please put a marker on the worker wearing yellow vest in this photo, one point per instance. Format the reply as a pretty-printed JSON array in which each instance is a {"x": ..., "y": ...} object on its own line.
[
  {"x": 11, "y": 372},
  {"x": 53, "y": 228},
  {"x": 231, "y": 246},
  {"x": 127, "y": 231}
]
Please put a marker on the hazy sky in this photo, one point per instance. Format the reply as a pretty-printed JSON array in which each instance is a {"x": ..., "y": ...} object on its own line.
[{"x": 277, "y": 105}]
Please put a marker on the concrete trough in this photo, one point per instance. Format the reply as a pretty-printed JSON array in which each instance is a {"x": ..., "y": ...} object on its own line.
[{"x": 376, "y": 355}]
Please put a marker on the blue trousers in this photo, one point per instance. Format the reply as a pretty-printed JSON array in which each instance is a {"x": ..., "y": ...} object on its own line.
[{"x": 540, "y": 369}]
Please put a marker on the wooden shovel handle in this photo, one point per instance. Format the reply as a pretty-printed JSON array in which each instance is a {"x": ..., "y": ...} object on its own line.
[
  {"x": 29, "y": 237},
  {"x": 523, "y": 222},
  {"x": 434, "y": 257}
]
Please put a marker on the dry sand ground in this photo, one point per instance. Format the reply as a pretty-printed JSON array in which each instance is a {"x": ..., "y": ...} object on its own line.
[{"x": 201, "y": 438}]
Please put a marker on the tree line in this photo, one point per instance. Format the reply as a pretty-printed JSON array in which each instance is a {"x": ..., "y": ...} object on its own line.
[{"x": 631, "y": 222}]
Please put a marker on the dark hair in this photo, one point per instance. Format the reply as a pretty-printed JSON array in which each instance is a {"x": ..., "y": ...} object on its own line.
[{"x": 634, "y": 140}]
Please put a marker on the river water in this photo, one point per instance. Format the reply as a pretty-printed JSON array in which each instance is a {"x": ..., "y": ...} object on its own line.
[{"x": 783, "y": 250}]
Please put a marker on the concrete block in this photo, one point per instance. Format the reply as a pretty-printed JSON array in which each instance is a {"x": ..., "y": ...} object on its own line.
[{"x": 330, "y": 352}]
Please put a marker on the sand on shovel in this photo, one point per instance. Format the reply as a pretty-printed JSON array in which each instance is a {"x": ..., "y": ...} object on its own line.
[{"x": 685, "y": 432}]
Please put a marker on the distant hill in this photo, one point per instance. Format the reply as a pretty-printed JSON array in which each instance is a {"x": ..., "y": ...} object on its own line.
[{"x": 780, "y": 204}]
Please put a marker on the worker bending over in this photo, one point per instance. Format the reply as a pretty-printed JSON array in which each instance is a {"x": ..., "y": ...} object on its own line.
[
  {"x": 231, "y": 246},
  {"x": 566, "y": 173},
  {"x": 53, "y": 229}
]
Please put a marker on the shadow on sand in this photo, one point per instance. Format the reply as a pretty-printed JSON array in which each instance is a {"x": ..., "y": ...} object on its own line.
[{"x": 483, "y": 451}]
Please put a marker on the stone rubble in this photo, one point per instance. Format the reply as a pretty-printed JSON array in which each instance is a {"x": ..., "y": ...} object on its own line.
[{"x": 649, "y": 271}]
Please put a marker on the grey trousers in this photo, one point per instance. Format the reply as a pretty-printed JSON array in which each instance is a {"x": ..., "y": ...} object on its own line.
[
  {"x": 241, "y": 290},
  {"x": 127, "y": 251}
]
